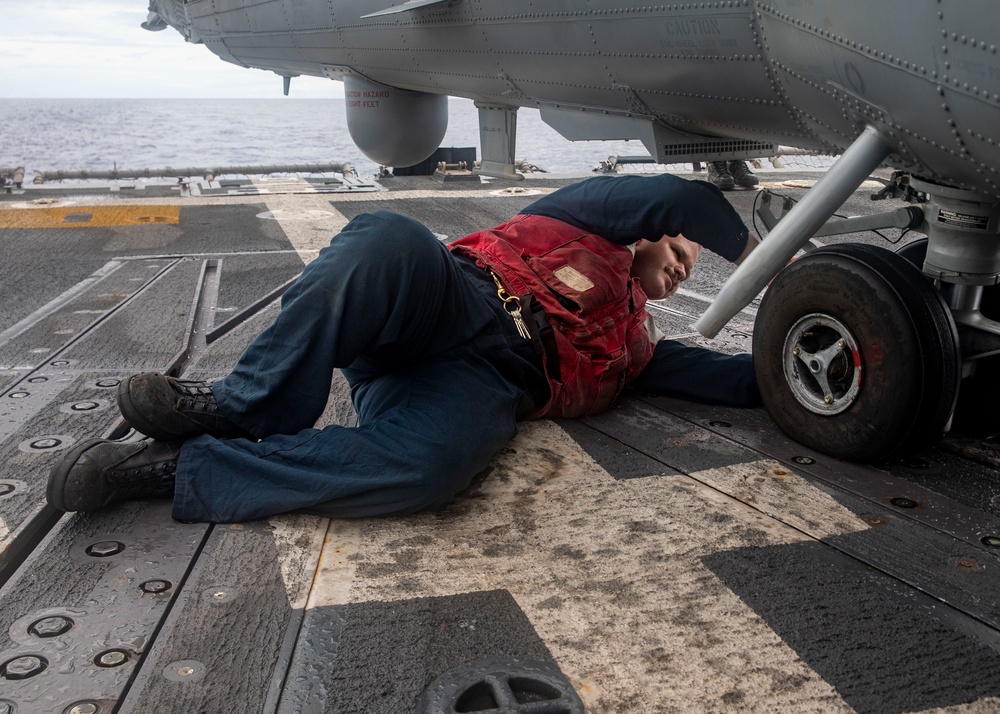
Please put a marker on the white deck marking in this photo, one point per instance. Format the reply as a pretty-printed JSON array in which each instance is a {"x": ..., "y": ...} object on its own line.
[
  {"x": 308, "y": 220},
  {"x": 609, "y": 572}
]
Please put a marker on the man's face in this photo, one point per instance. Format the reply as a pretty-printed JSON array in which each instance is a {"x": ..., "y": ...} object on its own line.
[{"x": 662, "y": 266}]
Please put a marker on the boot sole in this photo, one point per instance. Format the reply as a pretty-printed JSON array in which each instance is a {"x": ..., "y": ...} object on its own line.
[{"x": 55, "y": 490}]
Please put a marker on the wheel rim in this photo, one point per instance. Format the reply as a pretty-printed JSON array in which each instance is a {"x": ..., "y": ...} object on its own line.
[{"x": 822, "y": 364}]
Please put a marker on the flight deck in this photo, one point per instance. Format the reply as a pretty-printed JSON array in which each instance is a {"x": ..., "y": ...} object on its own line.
[{"x": 664, "y": 556}]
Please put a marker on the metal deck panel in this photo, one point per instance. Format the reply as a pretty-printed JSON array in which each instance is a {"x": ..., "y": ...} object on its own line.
[
  {"x": 103, "y": 597},
  {"x": 58, "y": 410},
  {"x": 449, "y": 217},
  {"x": 43, "y": 335},
  {"x": 240, "y": 279}
]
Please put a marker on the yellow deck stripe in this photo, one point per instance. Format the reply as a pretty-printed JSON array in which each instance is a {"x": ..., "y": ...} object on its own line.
[{"x": 89, "y": 216}]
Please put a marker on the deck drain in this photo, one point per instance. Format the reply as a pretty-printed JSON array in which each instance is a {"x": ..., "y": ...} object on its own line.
[{"x": 505, "y": 685}]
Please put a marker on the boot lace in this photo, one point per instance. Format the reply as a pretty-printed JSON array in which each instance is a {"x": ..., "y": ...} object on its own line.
[
  {"x": 195, "y": 397},
  {"x": 157, "y": 477}
]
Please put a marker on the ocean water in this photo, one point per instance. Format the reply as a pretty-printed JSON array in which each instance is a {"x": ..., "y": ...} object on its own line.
[{"x": 102, "y": 134}]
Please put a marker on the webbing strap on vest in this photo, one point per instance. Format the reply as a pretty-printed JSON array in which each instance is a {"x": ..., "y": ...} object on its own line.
[{"x": 542, "y": 337}]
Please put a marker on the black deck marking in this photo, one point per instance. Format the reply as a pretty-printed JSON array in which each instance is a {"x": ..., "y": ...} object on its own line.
[
  {"x": 386, "y": 653},
  {"x": 616, "y": 458},
  {"x": 883, "y": 648},
  {"x": 669, "y": 440}
]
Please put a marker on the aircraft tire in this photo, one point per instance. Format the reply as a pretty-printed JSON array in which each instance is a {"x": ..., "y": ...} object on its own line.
[
  {"x": 874, "y": 328},
  {"x": 975, "y": 412}
]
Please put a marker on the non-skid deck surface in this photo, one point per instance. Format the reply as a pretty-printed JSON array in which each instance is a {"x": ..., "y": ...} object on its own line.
[{"x": 661, "y": 557}]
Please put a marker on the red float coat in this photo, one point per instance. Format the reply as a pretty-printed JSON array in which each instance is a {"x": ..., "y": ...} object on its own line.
[{"x": 596, "y": 310}]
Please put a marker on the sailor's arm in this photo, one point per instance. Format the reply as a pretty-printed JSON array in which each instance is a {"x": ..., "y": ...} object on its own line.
[
  {"x": 700, "y": 375},
  {"x": 624, "y": 209}
]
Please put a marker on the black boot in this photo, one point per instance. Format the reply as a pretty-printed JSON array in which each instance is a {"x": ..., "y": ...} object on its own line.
[
  {"x": 718, "y": 173},
  {"x": 97, "y": 472},
  {"x": 168, "y": 409},
  {"x": 742, "y": 174}
]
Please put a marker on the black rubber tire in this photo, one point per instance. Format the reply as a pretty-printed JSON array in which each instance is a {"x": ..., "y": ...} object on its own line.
[
  {"x": 976, "y": 412},
  {"x": 907, "y": 344}
]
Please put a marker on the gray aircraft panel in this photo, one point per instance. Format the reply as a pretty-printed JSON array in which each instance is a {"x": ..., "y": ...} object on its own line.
[
  {"x": 307, "y": 16},
  {"x": 219, "y": 17},
  {"x": 269, "y": 15},
  {"x": 404, "y": 7},
  {"x": 281, "y": 55},
  {"x": 218, "y": 47},
  {"x": 315, "y": 45}
]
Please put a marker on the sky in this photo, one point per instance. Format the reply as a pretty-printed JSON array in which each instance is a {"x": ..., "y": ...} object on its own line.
[{"x": 96, "y": 48}]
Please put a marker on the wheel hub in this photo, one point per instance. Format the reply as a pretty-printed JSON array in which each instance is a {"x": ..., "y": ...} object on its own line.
[{"x": 822, "y": 364}]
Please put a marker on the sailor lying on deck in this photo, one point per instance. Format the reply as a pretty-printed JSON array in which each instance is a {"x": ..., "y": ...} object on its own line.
[{"x": 444, "y": 350}]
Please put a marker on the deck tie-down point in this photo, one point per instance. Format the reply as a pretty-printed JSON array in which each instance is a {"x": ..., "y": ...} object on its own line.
[{"x": 507, "y": 684}]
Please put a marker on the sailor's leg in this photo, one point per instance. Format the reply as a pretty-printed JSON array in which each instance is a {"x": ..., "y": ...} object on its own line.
[
  {"x": 385, "y": 290},
  {"x": 423, "y": 434}
]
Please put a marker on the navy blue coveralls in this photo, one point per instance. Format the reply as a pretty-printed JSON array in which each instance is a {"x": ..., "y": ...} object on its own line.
[{"x": 438, "y": 373}]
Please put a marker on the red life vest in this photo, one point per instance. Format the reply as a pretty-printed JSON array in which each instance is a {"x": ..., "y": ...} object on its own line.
[{"x": 596, "y": 310}]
